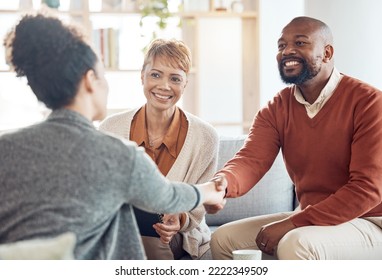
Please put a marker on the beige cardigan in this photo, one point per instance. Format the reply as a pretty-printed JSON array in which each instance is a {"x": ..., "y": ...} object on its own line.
[{"x": 196, "y": 163}]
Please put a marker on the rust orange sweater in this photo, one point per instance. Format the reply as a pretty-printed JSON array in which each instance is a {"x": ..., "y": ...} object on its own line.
[{"x": 334, "y": 159}]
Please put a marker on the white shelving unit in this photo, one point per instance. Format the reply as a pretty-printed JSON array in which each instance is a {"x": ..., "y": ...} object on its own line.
[{"x": 243, "y": 92}]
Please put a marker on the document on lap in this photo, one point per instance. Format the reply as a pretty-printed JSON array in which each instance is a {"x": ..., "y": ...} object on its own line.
[{"x": 146, "y": 221}]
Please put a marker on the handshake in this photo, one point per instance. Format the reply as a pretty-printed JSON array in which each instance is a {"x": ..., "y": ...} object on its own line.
[{"x": 213, "y": 194}]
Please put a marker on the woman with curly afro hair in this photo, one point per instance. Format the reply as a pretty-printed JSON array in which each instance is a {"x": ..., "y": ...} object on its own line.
[{"x": 62, "y": 175}]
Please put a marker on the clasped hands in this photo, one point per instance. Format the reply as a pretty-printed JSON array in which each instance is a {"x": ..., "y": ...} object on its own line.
[
  {"x": 212, "y": 196},
  {"x": 269, "y": 235},
  {"x": 168, "y": 228},
  {"x": 220, "y": 185}
]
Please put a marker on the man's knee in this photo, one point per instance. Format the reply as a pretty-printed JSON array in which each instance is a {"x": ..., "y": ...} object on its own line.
[{"x": 295, "y": 246}]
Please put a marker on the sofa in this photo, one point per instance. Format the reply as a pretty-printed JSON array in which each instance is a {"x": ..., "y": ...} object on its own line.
[{"x": 273, "y": 193}]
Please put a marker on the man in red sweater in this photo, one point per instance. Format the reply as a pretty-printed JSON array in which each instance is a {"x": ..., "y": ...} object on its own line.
[{"x": 329, "y": 128}]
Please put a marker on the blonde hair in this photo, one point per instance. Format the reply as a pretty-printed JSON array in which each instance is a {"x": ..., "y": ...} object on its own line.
[{"x": 178, "y": 54}]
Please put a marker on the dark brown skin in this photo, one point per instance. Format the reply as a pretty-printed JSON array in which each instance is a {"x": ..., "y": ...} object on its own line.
[{"x": 302, "y": 39}]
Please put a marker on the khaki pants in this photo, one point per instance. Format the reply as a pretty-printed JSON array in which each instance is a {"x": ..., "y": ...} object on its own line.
[{"x": 357, "y": 239}]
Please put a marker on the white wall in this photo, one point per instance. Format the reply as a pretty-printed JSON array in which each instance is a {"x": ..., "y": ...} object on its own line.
[
  {"x": 273, "y": 16},
  {"x": 356, "y": 27},
  {"x": 220, "y": 70}
]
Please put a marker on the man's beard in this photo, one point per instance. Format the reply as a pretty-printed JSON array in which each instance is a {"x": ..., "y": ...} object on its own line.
[{"x": 306, "y": 74}]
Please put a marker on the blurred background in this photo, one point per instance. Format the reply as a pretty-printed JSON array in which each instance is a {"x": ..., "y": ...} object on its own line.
[{"x": 234, "y": 44}]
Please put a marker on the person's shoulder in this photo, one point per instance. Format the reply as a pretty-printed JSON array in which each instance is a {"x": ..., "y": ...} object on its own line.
[
  {"x": 114, "y": 122},
  {"x": 358, "y": 93},
  {"x": 200, "y": 124},
  {"x": 28, "y": 133},
  {"x": 358, "y": 85},
  {"x": 284, "y": 93},
  {"x": 114, "y": 146},
  {"x": 280, "y": 101},
  {"x": 9, "y": 137},
  {"x": 195, "y": 120},
  {"x": 118, "y": 155},
  {"x": 115, "y": 139}
]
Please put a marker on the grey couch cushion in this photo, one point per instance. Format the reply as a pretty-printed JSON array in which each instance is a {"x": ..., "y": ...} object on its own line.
[{"x": 273, "y": 193}]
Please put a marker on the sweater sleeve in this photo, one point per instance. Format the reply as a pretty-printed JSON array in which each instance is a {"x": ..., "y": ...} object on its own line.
[
  {"x": 149, "y": 190},
  {"x": 256, "y": 156},
  {"x": 118, "y": 124}
]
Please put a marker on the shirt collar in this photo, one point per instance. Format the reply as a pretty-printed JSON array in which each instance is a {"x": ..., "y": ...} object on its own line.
[
  {"x": 140, "y": 136},
  {"x": 170, "y": 140},
  {"x": 325, "y": 93}
]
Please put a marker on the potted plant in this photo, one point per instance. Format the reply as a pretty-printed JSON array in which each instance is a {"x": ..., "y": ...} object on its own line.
[
  {"x": 55, "y": 4},
  {"x": 157, "y": 9}
]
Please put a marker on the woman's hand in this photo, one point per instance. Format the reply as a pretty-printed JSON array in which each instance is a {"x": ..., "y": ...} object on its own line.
[{"x": 169, "y": 227}]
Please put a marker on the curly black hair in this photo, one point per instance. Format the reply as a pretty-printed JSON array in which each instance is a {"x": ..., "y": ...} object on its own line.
[{"x": 53, "y": 57}]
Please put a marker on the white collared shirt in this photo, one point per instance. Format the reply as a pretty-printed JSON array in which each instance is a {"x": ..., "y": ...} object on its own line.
[{"x": 326, "y": 93}]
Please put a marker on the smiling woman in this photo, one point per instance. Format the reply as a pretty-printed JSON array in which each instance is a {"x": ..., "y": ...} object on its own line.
[{"x": 183, "y": 146}]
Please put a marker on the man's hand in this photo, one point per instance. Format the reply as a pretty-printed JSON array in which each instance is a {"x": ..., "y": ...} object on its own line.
[
  {"x": 220, "y": 185},
  {"x": 220, "y": 182},
  {"x": 213, "y": 193},
  {"x": 169, "y": 227},
  {"x": 213, "y": 209},
  {"x": 270, "y": 235}
]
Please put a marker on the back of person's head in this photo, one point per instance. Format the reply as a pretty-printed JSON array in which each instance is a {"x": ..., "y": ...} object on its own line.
[
  {"x": 175, "y": 51},
  {"x": 53, "y": 57}
]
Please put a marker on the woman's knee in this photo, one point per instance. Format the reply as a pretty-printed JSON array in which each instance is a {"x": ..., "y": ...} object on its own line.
[
  {"x": 222, "y": 242},
  {"x": 218, "y": 236}
]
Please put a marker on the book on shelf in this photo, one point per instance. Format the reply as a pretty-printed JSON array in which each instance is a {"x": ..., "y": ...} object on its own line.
[{"x": 106, "y": 42}]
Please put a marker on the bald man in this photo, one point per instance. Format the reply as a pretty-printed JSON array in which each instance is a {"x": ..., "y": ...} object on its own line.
[{"x": 329, "y": 128}]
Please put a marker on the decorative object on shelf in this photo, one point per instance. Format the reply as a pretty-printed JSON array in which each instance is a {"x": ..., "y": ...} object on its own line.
[
  {"x": 111, "y": 5},
  {"x": 156, "y": 8},
  {"x": 222, "y": 7},
  {"x": 25, "y": 5},
  {"x": 197, "y": 6},
  {"x": 237, "y": 7},
  {"x": 130, "y": 5},
  {"x": 55, "y": 4}
]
